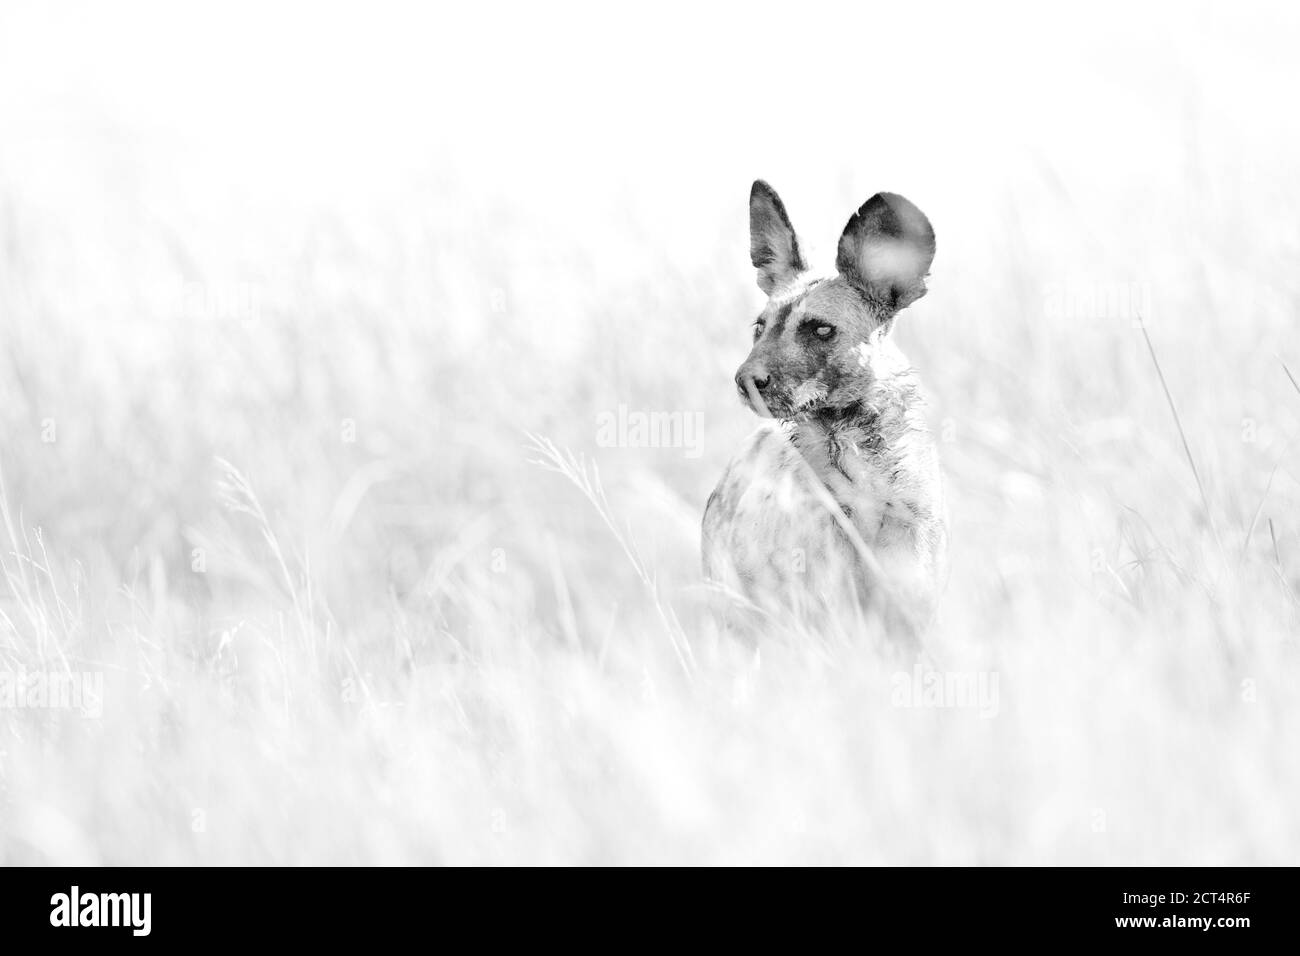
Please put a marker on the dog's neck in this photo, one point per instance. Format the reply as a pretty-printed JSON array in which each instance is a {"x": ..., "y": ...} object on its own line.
[{"x": 874, "y": 427}]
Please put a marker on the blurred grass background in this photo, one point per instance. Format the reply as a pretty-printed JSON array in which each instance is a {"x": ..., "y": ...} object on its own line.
[{"x": 283, "y": 289}]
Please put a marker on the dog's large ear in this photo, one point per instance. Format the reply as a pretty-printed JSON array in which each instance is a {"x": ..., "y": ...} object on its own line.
[
  {"x": 886, "y": 250},
  {"x": 773, "y": 246}
]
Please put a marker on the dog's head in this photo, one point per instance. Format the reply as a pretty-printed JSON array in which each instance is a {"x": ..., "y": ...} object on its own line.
[{"x": 821, "y": 341}]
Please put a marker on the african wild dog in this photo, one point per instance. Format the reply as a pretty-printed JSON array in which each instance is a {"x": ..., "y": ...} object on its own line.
[{"x": 838, "y": 496}]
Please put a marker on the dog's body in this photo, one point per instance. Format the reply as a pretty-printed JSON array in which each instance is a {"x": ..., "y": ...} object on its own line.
[{"x": 840, "y": 496}]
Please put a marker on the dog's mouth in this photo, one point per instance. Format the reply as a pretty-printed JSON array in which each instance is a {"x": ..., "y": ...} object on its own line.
[
  {"x": 784, "y": 403},
  {"x": 773, "y": 405}
]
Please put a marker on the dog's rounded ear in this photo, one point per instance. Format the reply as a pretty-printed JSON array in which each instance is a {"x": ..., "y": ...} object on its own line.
[
  {"x": 773, "y": 246},
  {"x": 886, "y": 250}
]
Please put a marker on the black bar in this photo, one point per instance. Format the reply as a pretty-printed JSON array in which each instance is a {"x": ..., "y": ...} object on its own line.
[{"x": 333, "y": 907}]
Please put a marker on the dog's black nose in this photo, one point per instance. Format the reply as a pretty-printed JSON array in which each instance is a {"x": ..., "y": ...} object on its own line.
[{"x": 755, "y": 376}]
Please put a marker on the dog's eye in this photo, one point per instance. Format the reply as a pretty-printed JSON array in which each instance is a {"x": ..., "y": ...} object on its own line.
[
  {"x": 824, "y": 331},
  {"x": 758, "y": 330}
]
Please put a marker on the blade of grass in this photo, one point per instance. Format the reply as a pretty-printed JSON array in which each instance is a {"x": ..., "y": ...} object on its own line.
[
  {"x": 1182, "y": 435},
  {"x": 1294, "y": 383}
]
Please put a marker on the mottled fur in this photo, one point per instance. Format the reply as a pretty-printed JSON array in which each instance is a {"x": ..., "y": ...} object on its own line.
[{"x": 839, "y": 496}]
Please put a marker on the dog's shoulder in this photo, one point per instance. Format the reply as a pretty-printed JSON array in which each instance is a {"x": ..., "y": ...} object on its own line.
[{"x": 767, "y": 457}]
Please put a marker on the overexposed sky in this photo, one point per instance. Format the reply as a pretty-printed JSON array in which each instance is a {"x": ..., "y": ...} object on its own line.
[{"x": 305, "y": 99}]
